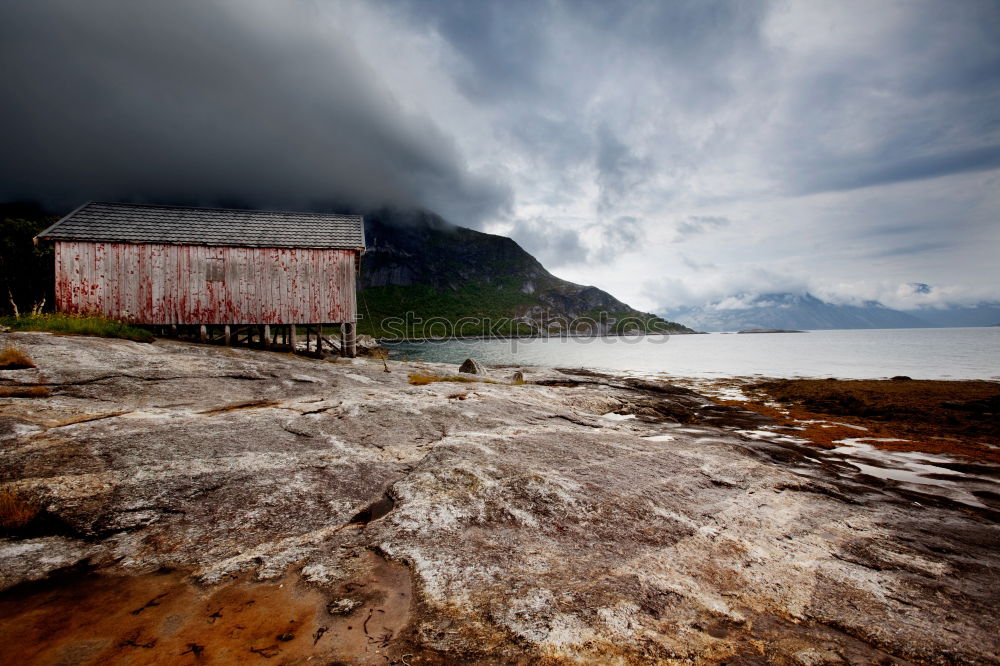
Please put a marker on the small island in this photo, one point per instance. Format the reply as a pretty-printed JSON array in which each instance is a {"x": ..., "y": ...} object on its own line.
[{"x": 769, "y": 330}]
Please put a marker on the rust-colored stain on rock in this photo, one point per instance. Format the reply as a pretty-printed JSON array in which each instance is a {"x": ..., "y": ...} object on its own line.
[
  {"x": 164, "y": 618},
  {"x": 932, "y": 416}
]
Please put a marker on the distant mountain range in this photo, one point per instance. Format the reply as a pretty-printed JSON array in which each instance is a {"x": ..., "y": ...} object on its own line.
[
  {"x": 805, "y": 311},
  {"x": 983, "y": 314}
]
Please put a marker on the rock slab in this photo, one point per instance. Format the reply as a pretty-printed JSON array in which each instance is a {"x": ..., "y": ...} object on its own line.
[{"x": 581, "y": 518}]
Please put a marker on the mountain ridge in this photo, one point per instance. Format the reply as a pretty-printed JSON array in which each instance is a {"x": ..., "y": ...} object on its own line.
[
  {"x": 783, "y": 310},
  {"x": 419, "y": 265}
]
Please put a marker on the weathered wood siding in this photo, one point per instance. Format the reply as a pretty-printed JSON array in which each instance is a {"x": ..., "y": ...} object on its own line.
[{"x": 170, "y": 284}]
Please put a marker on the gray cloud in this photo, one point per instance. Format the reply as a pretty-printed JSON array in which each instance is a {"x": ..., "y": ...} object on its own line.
[
  {"x": 550, "y": 244},
  {"x": 918, "y": 248},
  {"x": 501, "y": 44},
  {"x": 556, "y": 246},
  {"x": 924, "y": 103},
  {"x": 619, "y": 170},
  {"x": 213, "y": 102},
  {"x": 696, "y": 225}
]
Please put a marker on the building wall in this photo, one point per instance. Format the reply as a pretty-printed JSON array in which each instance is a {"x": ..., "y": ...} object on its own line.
[{"x": 194, "y": 284}]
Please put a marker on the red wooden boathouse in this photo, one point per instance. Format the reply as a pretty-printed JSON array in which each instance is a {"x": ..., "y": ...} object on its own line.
[{"x": 242, "y": 270}]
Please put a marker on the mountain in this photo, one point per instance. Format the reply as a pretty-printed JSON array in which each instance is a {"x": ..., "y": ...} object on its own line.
[
  {"x": 422, "y": 276},
  {"x": 983, "y": 314},
  {"x": 790, "y": 311}
]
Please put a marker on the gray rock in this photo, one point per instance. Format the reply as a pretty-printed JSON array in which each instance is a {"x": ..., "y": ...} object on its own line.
[
  {"x": 534, "y": 526},
  {"x": 473, "y": 367},
  {"x": 369, "y": 346}
]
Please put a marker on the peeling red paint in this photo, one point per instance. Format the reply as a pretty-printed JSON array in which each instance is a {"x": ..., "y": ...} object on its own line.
[{"x": 167, "y": 284}]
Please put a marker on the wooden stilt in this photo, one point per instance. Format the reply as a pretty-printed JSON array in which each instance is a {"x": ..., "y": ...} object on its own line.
[
  {"x": 226, "y": 336},
  {"x": 203, "y": 333},
  {"x": 319, "y": 340},
  {"x": 292, "y": 338},
  {"x": 265, "y": 336},
  {"x": 348, "y": 340},
  {"x": 173, "y": 330}
]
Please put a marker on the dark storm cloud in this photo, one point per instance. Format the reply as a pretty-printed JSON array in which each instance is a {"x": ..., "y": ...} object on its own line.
[
  {"x": 925, "y": 104},
  {"x": 209, "y": 102},
  {"x": 502, "y": 43}
]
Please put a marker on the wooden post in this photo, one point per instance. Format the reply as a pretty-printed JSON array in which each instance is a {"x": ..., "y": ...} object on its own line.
[
  {"x": 292, "y": 341},
  {"x": 203, "y": 333},
  {"x": 227, "y": 338},
  {"x": 348, "y": 340},
  {"x": 265, "y": 336},
  {"x": 173, "y": 330}
]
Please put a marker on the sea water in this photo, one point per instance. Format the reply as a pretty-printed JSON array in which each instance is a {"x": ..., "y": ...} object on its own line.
[{"x": 920, "y": 353}]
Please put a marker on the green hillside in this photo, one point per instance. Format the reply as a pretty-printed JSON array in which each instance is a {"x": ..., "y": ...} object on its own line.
[{"x": 423, "y": 277}]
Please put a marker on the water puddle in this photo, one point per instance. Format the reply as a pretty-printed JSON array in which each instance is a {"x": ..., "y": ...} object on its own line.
[
  {"x": 617, "y": 417},
  {"x": 925, "y": 472},
  {"x": 772, "y": 436}
]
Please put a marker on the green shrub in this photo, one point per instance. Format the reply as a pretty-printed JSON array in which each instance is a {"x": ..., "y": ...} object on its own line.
[{"x": 78, "y": 325}]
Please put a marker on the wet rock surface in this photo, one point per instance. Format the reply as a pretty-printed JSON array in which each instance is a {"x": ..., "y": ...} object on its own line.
[{"x": 578, "y": 517}]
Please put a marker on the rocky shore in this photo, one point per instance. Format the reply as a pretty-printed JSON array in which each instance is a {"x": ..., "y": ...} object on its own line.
[{"x": 193, "y": 504}]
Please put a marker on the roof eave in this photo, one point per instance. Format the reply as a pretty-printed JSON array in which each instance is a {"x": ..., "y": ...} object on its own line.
[
  {"x": 44, "y": 233},
  {"x": 66, "y": 239}
]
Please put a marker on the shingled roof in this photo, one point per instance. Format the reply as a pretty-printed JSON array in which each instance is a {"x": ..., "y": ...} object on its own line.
[{"x": 175, "y": 225}]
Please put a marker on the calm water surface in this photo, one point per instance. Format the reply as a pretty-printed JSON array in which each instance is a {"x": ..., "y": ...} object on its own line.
[{"x": 921, "y": 353}]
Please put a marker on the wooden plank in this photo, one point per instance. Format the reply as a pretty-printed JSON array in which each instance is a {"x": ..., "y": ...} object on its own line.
[
  {"x": 157, "y": 280},
  {"x": 271, "y": 256},
  {"x": 331, "y": 285}
]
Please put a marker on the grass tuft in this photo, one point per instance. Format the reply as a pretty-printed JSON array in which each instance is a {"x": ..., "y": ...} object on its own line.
[
  {"x": 12, "y": 358},
  {"x": 420, "y": 379},
  {"x": 67, "y": 324},
  {"x": 15, "y": 511}
]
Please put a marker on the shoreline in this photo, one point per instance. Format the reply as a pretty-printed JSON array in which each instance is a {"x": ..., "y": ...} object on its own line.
[{"x": 530, "y": 336}]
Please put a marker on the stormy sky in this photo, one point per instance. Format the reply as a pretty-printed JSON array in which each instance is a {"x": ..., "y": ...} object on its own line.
[{"x": 671, "y": 152}]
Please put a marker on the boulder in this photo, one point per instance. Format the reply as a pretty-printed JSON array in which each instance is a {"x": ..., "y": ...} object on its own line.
[
  {"x": 472, "y": 367},
  {"x": 369, "y": 346}
]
